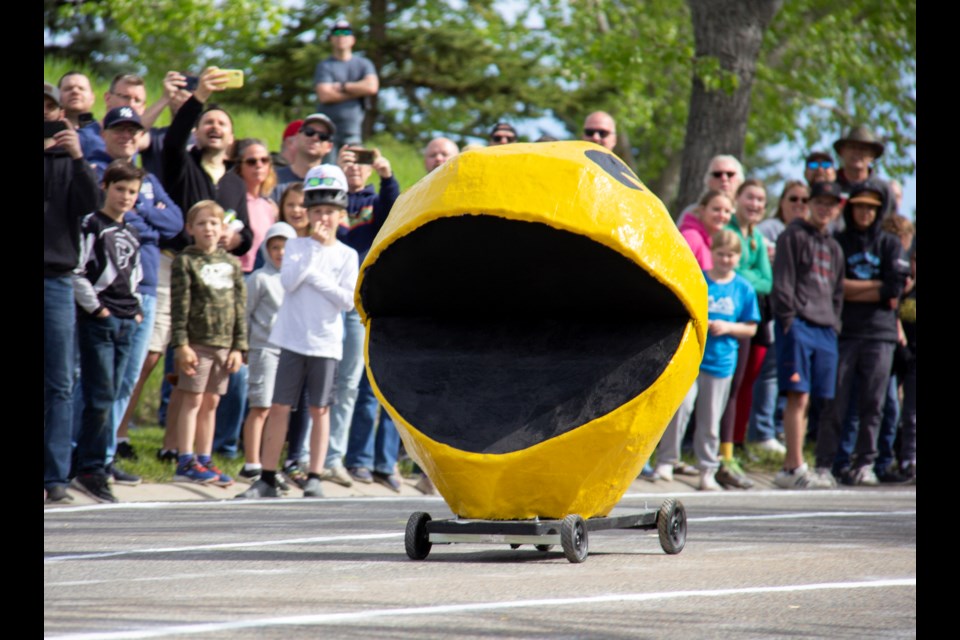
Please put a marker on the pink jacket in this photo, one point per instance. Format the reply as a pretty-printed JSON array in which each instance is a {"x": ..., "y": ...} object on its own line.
[{"x": 693, "y": 231}]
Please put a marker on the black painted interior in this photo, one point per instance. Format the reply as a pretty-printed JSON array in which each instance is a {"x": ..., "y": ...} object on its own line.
[{"x": 492, "y": 335}]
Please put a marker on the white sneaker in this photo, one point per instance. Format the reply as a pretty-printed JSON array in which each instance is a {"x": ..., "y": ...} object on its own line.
[
  {"x": 865, "y": 477},
  {"x": 708, "y": 482},
  {"x": 665, "y": 471},
  {"x": 799, "y": 478},
  {"x": 825, "y": 479},
  {"x": 771, "y": 445}
]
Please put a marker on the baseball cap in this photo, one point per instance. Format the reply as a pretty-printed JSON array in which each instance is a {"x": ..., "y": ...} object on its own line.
[
  {"x": 292, "y": 129},
  {"x": 341, "y": 26},
  {"x": 325, "y": 184},
  {"x": 502, "y": 126},
  {"x": 121, "y": 115},
  {"x": 828, "y": 189},
  {"x": 865, "y": 195},
  {"x": 51, "y": 92},
  {"x": 818, "y": 155},
  {"x": 319, "y": 117}
]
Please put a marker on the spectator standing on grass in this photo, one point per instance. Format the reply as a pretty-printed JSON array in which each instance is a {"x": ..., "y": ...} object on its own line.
[
  {"x": 70, "y": 192},
  {"x": 732, "y": 314},
  {"x": 807, "y": 300},
  {"x": 106, "y": 283},
  {"x": 872, "y": 286},
  {"x": 155, "y": 217},
  {"x": 319, "y": 275},
  {"x": 209, "y": 337},
  {"x": 343, "y": 83}
]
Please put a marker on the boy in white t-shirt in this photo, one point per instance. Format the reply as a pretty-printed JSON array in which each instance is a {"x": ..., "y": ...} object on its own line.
[{"x": 319, "y": 275}]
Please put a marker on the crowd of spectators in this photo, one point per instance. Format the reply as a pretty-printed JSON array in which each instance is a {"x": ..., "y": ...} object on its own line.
[{"x": 171, "y": 242}]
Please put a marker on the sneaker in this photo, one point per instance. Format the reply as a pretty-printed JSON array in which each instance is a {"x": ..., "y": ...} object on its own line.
[
  {"x": 94, "y": 485},
  {"x": 425, "y": 486},
  {"x": 125, "y": 451},
  {"x": 825, "y": 478},
  {"x": 167, "y": 455},
  {"x": 771, "y": 445},
  {"x": 799, "y": 478},
  {"x": 909, "y": 471},
  {"x": 861, "y": 477},
  {"x": 249, "y": 475},
  {"x": 665, "y": 471},
  {"x": 649, "y": 474},
  {"x": 193, "y": 471},
  {"x": 731, "y": 475},
  {"x": 296, "y": 475},
  {"x": 890, "y": 475},
  {"x": 361, "y": 474},
  {"x": 259, "y": 489},
  {"x": 389, "y": 480},
  {"x": 684, "y": 469},
  {"x": 708, "y": 482},
  {"x": 313, "y": 488},
  {"x": 120, "y": 476},
  {"x": 222, "y": 480},
  {"x": 57, "y": 494},
  {"x": 337, "y": 475}
]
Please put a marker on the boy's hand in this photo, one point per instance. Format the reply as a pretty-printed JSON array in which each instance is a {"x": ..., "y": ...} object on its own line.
[
  {"x": 718, "y": 327},
  {"x": 103, "y": 313},
  {"x": 320, "y": 233},
  {"x": 186, "y": 359},
  {"x": 234, "y": 361},
  {"x": 138, "y": 318}
]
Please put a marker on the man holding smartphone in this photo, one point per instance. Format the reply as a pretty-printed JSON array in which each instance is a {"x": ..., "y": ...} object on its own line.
[{"x": 342, "y": 83}]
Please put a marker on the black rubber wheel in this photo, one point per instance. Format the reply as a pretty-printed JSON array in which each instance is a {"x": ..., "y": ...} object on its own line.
[
  {"x": 672, "y": 525},
  {"x": 514, "y": 546},
  {"x": 544, "y": 547},
  {"x": 415, "y": 539},
  {"x": 573, "y": 538}
]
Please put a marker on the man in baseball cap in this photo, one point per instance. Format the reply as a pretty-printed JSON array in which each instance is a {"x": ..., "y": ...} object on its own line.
[
  {"x": 819, "y": 167},
  {"x": 312, "y": 140}
]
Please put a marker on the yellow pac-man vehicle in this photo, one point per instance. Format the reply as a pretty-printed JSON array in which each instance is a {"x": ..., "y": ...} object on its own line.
[{"x": 534, "y": 319}]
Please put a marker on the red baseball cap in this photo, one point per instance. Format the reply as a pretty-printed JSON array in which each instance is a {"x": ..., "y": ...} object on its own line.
[{"x": 292, "y": 129}]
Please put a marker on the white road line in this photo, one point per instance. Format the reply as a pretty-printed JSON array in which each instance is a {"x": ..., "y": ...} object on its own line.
[
  {"x": 381, "y": 536},
  {"x": 360, "y": 616},
  {"x": 180, "y": 576},
  {"x": 225, "y": 545},
  {"x": 653, "y": 497}
]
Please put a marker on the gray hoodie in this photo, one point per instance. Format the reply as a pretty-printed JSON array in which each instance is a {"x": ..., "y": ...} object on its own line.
[{"x": 265, "y": 292}]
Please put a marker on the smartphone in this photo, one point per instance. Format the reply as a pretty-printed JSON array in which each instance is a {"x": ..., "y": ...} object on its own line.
[
  {"x": 234, "y": 78},
  {"x": 192, "y": 82},
  {"x": 85, "y": 120},
  {"x": 364, "y": 156},
  {"x": 52, "y": 127}
]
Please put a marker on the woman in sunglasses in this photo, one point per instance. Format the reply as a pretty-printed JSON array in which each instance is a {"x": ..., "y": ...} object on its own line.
[
  {"x": 256, "y": 168},
  {"x": 792, "y": 205}
]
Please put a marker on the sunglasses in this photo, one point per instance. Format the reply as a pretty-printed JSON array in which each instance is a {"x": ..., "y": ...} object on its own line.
[
  {"x": 602, "y": 133},
  {"x": 721, "y": 174},
  {"x": 503, "y": 139},
  {"x": 813, "y": 165},
  {"x": 798, "y": 199},
  {"x": 310, "y": 132},
  {"x": 252, "y": 162},
  {"x": 342, "y": 32}
]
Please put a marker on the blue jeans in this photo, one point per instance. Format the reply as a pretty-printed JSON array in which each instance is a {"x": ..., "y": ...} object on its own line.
[
  {"x": 763, "y": 424},
  {"x": 105, "y": 346},
  {"x": 230, "y": 414},
  {"x": 59, "y": 335},
  {"x": 349, "y": 373},
  {"x": 371, "y": 445},
  {"x": 165, "y": 388},
  {"x": 128, "y": 380}
]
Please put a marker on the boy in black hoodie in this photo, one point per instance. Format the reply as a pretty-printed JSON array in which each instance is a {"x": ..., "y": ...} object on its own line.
[{"x": 871, "y": 289}]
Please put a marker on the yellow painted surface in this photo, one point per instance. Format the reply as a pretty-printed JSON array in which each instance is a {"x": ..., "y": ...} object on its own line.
[{"x": 586, "y": 470}]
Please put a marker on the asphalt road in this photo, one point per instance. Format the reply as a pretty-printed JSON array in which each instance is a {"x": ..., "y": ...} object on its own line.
[{"x": 757, "y": 564}]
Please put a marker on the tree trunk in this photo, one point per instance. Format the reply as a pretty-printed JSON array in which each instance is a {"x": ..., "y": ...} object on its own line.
[
  {"x": 730, "y": 31},
  {"x": 378, "y": 41}
]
